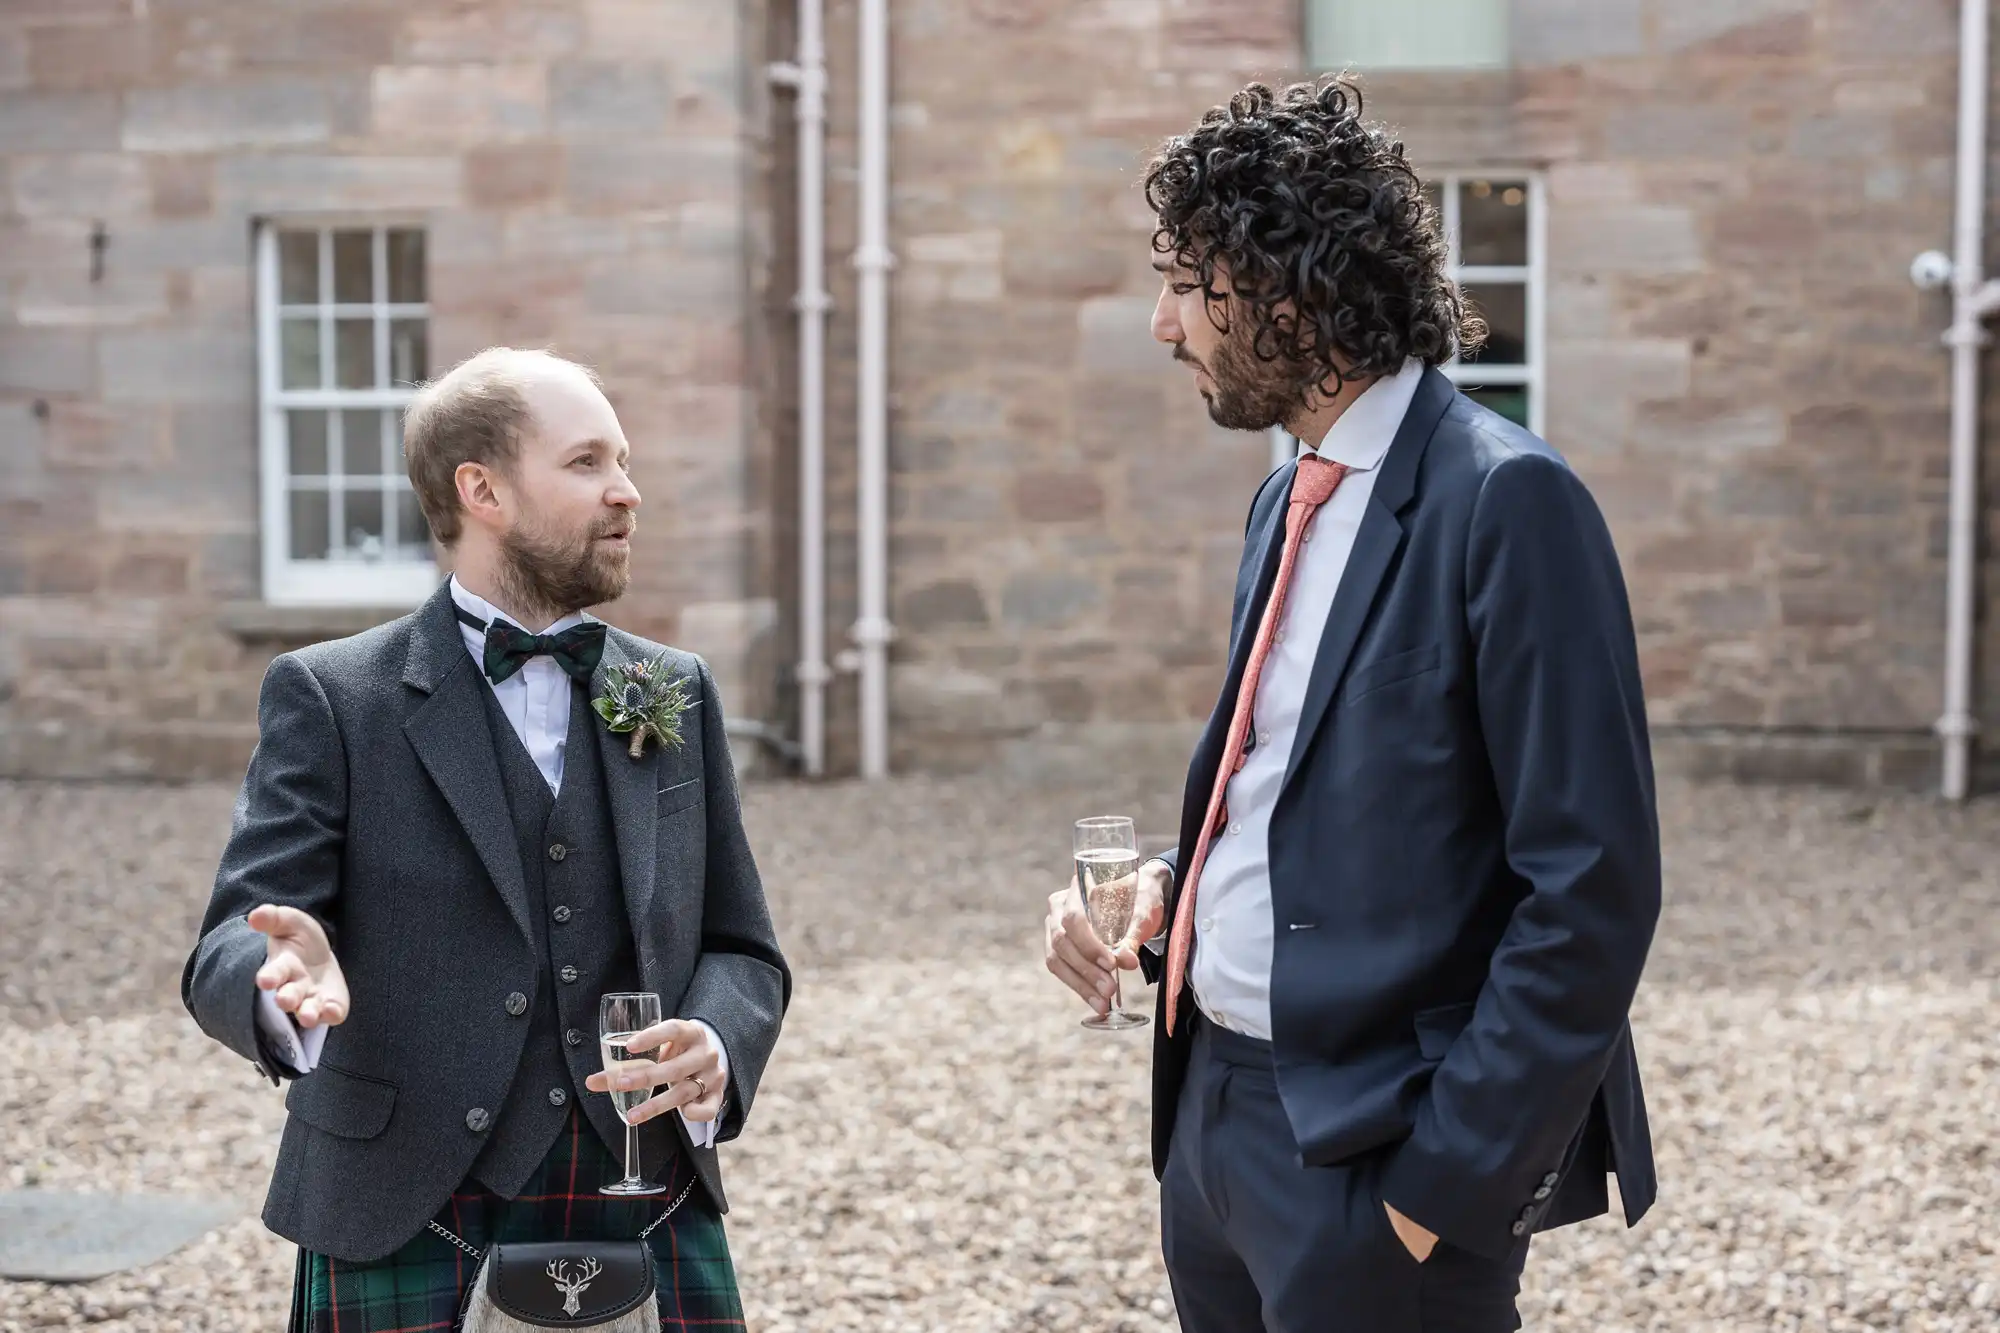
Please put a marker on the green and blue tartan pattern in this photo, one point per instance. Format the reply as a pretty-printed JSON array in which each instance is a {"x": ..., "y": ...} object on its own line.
[{"x": 420, "y": 1288}]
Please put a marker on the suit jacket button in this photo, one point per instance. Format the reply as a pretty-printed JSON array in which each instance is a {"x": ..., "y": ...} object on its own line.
[
  {"x": 569, "y": 974},
  {"x": 477, "y": 1120},
  {"x": 561, "y": 914},
  {"x": 557, "y": 1097},
  {"x": 1518, "y": 1229},
  {"x": 573, "y": 1037},
  {"x": 1552, "y": 1178},
  {"x": 557, "y": 851},
  {"x": 1543, "y": 1193},
  {"x": 517, "y": 1004}
]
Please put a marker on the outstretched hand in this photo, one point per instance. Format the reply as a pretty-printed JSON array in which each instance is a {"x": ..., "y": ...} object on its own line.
[
  {"x": 299, "y": 966},
  {"x": 1077, "y": 958}
]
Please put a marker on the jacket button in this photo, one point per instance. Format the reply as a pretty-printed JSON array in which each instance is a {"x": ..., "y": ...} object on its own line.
[
  {"x": 573, "y": 1037},
  {"x": 477, "y": 1120},
  {"x": 1543, "y": 1193},
  {"x": 557, "y": 852},
  {"x": 517, "y": 1004},
  {"x": 557, "y": 1097},
  {"x": 569, "y": 974},
  {"x": 560, "y": 914},
  {"x": 1552, "y": 1178},
  {"x": 1518, "y": 1229}
]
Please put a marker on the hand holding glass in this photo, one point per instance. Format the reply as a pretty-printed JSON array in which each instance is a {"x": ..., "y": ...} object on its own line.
[
  {"x": 1107, "y": 875},
  {"x": 620, "y": 1018}
]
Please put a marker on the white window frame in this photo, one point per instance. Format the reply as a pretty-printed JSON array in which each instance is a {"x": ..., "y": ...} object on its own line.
[
  {"x": 393, "y": 581},
  {"x": 1533, "y": 276}
]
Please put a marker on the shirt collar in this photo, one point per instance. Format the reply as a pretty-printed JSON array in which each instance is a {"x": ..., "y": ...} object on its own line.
[
  {"x": 476, "y": 605},
  {"x": 1362, "y": 436}
]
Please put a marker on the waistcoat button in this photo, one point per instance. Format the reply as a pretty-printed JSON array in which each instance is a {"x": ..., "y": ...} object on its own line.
[
  {"x": 569, "y": 974},
  {"x": 557, "y": 1097},
  {"x": 557, "y": 852},
  {"x": 477, "y": 1120},
  {"x": 560, "y": 914},
  {"x": 517, "y": 1004}
]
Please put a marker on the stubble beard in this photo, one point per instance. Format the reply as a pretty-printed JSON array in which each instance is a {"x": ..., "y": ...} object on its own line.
[
  {"x": 1249, "y": 393},
  {"x": 555, "y": 575}
]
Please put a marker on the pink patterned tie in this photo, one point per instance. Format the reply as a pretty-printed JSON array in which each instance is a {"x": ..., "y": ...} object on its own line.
[{"x": 1312, "y": 487}]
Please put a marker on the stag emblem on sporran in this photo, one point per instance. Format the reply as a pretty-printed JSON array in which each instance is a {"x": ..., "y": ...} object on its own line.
[{"x": 573, "y": 1288}]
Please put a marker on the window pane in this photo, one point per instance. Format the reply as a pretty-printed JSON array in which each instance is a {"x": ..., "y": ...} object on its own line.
[
  {"x": 1505, "y": 308},
  {"x": 309, "y": 525},
  {"x": 412, "y": 532},
  {"x": 409, "y": 351},
  {"x": 354, "y": 353},
  {"x": 406, "y": 266},
  {"x": 363, "y": 525},
  {"x": 1509, "y": 400},
  {"x": 1493, "y": 222},
  {"x": 1438, "y": 34},
  {"x": 305, "y": 431},
  {"x": 298, "y": 267},
  {"x": 360, "y": 442},
  {"x": 354, "y": 266},
  {"x": 298, "y": 341}
]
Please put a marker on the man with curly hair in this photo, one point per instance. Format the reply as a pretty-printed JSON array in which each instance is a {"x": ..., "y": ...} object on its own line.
[{"x": 1419, "y": 868}]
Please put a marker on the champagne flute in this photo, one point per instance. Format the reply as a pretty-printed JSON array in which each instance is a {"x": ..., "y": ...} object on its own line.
[
  {"x": 1107, "y": 875},
  {"x": 620, "y": 1018}
]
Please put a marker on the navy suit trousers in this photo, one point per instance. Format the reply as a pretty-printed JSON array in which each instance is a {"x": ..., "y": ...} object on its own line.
[{"x": 1256, "y": 1240}]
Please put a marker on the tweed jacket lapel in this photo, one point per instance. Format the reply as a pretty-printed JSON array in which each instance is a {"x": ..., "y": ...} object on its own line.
[
  {"x": 454, "y": 742},
  {"x": 632, "y": 788}
]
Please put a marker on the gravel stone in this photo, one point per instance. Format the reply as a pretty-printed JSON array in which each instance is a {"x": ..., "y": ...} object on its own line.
[{"x": 938, "y": 1145}]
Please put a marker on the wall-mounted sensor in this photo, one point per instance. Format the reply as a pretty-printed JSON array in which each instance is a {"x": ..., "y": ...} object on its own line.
[{"x": 1931, "y": 270}]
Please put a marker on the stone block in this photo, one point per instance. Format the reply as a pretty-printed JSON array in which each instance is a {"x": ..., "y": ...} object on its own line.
[
  {"x": 491, "y": 34},
  {"x": 618, "y": 178},
  {"x": 683, "y": 32},
  {"x": 1657, "y": 131},
  {"x": 1072, "y": 271},
  {"x": 1569, "y": 32},
  {"x": 209, "y": 241},
  {"x": 1058, "y": 497},
  {"x": 1047, "y": 599},
  {"x": 508, "y": 175},
  {"x": 101, "y": 437},
  {"x": 1843, "y": 135},
  {"x": 180, "y": 187},
  {"x": 46, "y": 361},
  {"x": 1877, "y": 31},
  {"x": 458, "y": 103},
  {"x": 609, "y": 98},
  {"x": 13, "y": 61},
  {"x": 1688, "y": 23},
  {"x": 106, "y": 56},
  {"x": 208, "y": 117},
  {"x": 177, "y": 366},
  {"x": 1634, "y": 369},
  {"x": 1115, "y": 335},
  {"x": 59, "y": 122},
  {"x": 947, "y": 602},
  {"x": 80, "y": 185},
  {"x": 289, "y": 182},
  {"x": 1640, "y": 239}
]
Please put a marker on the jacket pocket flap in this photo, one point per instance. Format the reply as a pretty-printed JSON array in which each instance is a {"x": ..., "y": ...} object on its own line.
[
  {"x": 1370, "y": 676},
  {"x": 347, "y": 1106},
  {"x": 1438, "y": 1028},
  {"x": 679, "y": 797}
]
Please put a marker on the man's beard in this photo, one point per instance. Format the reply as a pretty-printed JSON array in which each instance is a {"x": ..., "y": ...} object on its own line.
[
  {"x": 1250, "y": 393},
  {"x": 561, "y": 575}
]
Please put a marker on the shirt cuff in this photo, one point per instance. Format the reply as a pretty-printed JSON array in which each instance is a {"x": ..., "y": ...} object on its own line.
[
  {"x": 295, "y": 1047},
  {"x": 703, "y": 1132}
]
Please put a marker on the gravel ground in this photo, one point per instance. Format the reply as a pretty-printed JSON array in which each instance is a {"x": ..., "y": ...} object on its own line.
[{"x": 938, "y": 1146}]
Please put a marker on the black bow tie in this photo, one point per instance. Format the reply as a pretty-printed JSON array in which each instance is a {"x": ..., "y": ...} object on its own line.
[{"x": 508, "y": 647}]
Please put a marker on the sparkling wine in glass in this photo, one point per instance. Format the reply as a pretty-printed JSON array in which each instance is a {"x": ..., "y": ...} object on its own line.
[
  {"x": 620, "y": 1018},
  {"x": 1107, "y": 875}
]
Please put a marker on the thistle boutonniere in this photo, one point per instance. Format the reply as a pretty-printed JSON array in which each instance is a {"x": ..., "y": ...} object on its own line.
[{"x": 640, "y": 698}]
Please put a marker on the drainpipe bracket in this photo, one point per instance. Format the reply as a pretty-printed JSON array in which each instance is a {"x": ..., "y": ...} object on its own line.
[
  {"x": 873, "y": 631},
  {"x": 874, "y": 259},
  {"x": 1954, "y": 726},
  {"x": 812, "y": 303},
  {"x": 784, "y": 73},
  {"x": 813, "y": 673},
  {"x": 1968, "y": 332}
]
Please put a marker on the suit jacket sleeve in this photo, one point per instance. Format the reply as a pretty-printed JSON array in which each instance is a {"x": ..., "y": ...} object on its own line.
[
  {"x": 286, "y": 836},
  {"x": 1152, "y": 962},
  {"x": 741, "y": 986},
  {"x": 1557, "y": 686}
]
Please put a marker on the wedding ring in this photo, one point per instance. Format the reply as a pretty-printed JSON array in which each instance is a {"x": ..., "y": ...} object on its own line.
[{"x": 700, "y": 1086}]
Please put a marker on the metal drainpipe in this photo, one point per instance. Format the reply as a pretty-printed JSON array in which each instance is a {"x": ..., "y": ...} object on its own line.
[
  {"x": 872, "y": 630},
  {"x": 807, "y": 76},
  {"x": 1974, "y": 298}
]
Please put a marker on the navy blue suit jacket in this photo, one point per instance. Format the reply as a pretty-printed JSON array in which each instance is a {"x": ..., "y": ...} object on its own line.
[{"x": 1464, "y": 856}]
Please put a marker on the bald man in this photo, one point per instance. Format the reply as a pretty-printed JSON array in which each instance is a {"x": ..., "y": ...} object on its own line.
[{"x": 442, "y": 857}]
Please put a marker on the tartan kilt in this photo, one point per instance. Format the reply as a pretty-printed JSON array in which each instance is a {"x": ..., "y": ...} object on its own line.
[{"x": 419, "y": 1288}]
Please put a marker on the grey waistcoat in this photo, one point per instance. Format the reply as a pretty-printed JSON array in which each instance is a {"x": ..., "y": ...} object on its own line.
[{"x": 584, "y": 946}]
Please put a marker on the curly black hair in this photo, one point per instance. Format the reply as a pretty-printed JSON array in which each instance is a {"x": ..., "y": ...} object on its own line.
[{"x": 1291, "y": 207}]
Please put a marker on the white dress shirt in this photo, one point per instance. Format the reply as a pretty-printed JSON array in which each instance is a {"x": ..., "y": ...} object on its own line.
[
  {"x": 536, "y": 700},
  {"x": 1231, "y": 972}
]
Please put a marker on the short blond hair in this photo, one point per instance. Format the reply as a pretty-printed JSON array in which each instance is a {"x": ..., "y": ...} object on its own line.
[{"x": 473, "y": 413}]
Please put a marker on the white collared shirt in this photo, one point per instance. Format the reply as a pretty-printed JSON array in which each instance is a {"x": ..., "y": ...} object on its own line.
[
  {"x": 536, "y": 700},
  {"x": 1231, "y": 971}
]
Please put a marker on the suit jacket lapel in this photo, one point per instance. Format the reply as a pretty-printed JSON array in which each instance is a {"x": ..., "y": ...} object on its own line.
[
  {"x": 632, "y": 787},
  {"x": 1375, "y": 547},
  {"x": 454, "y": 741}
]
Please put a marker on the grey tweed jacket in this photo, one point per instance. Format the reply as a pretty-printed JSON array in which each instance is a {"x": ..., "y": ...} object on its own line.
[{"x": 374, "y": 802}]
